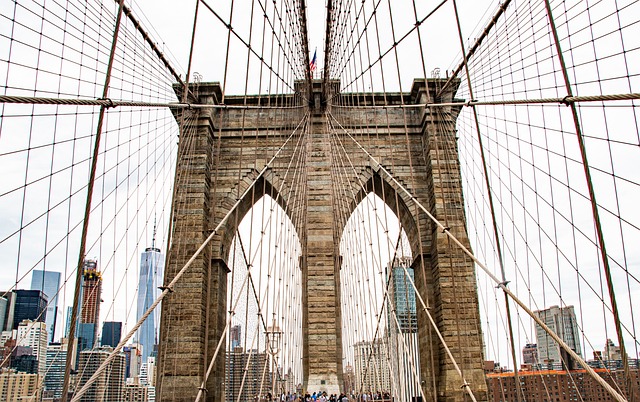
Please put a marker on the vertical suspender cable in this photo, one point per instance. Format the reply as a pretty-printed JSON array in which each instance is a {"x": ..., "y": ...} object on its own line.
[
  {"x": 87, "y": 209},
  {"x": 491, "y": 206},
  {"x": 594, "y": 207}
]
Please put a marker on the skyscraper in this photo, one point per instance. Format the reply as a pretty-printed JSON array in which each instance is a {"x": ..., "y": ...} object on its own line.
[
  {"x": 90, "y": 309},
  {"x": 55, "y": 365},
  {"x": 91, "y": 292},
  {"x": 109, "y": 386},
  {"x": 151, "y": 269},
  {"x": 561, "y": 320},
  {"x": 402, "y": 323},
  {"x": 67, "y": 324},
  {"x": 372, "y": 369},
  {"x": 111, "y": 333},
  {"x": 5, "y": 304},
  {"x": 48, "y": 282},
  {"x": 530, "y": 354},
  {"x": 34, "y": 335},
  {"x": 246, "y": 374},
  {"x": 148, "y": 372},
  {"x": 235, "y": 336},
  {"x": 133, "y": 360},
  {"x": 30, "y": 305},
  {"x": 402, "y": 296},
  {"x": 148, "y": 378}
]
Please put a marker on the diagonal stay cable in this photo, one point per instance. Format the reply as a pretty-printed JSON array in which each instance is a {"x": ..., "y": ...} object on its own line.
[
  {"x": 395, "y": 45},
  {"x": 183, "y": 270},
  {"x": 244, "y": 42},
  {"x": 495, "y": 279},
  {"x": 434, "y": 325},
  {"x": 476, "y": 44},
  {"x": 154, "y": 47}
]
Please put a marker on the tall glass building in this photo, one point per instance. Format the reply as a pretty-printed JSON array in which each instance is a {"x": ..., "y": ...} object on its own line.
[
  {"x": 111, "y": 333},
  {"x": 151, "y": 270},
  {"x": 402, "y": 322},
  {"x": 30, "y": 305},
  {"x": 562, "y": 320},
  {"x": 402, "y": 296},
  {"x": 49, "y": 283}
]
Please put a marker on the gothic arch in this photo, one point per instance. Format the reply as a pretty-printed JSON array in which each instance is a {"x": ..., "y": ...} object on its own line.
[
  {"x": 396, "y": 199},
  {"x": 268, "y": 184}
]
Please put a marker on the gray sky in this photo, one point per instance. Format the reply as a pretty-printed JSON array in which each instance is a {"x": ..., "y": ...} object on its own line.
[{"x": 532, "y": 151}]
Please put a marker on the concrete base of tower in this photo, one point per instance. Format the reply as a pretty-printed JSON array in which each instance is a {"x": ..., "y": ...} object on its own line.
[{"x": 323, "y": 383}]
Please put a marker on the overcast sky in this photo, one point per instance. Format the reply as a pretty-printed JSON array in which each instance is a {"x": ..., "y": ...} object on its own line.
[{"x": 528, "y": 146}]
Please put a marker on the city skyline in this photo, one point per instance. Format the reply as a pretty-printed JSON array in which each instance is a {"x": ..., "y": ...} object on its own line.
[
  {"x": 446, "y": 185},
  {"x": 160, "y": 262}
]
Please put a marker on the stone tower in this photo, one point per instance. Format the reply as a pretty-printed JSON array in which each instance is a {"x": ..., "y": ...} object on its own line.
[{"x": 211, "y": 185}]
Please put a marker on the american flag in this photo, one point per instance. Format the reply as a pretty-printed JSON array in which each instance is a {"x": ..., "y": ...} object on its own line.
[{"x": 313, "y": 64}]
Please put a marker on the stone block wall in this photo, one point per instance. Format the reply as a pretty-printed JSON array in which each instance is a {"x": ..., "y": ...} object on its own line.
[{"x": 224, "y": 150}]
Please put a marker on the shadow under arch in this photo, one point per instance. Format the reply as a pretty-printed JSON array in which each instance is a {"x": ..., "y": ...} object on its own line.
[
  {"x": 269, "y": 183},
  {"x": 393, "y": 197}
]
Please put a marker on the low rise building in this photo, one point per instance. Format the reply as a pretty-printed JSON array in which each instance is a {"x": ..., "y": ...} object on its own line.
[
  {"x": 20, "y": 387},
  {"x": 557, "y": 385},
  {"x": 136, "y": 392}
]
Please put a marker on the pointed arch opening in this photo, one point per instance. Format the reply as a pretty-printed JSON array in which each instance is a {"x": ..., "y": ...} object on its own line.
[
  {"x": 251, "y": 204},
  {"x": 378, "y": 300},
  {"x": 394, "y": 199},
  {"x": 264, "y": 293}
]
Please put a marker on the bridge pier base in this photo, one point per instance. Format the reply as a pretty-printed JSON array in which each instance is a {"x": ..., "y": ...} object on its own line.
[{"x": 323, "y": 383}]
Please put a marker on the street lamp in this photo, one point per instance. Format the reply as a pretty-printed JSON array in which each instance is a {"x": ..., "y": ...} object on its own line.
[{"x": 274, "y": 336}]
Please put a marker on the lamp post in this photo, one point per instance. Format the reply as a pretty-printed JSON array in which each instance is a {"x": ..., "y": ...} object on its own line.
[{"x": 274, "y": 336}]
